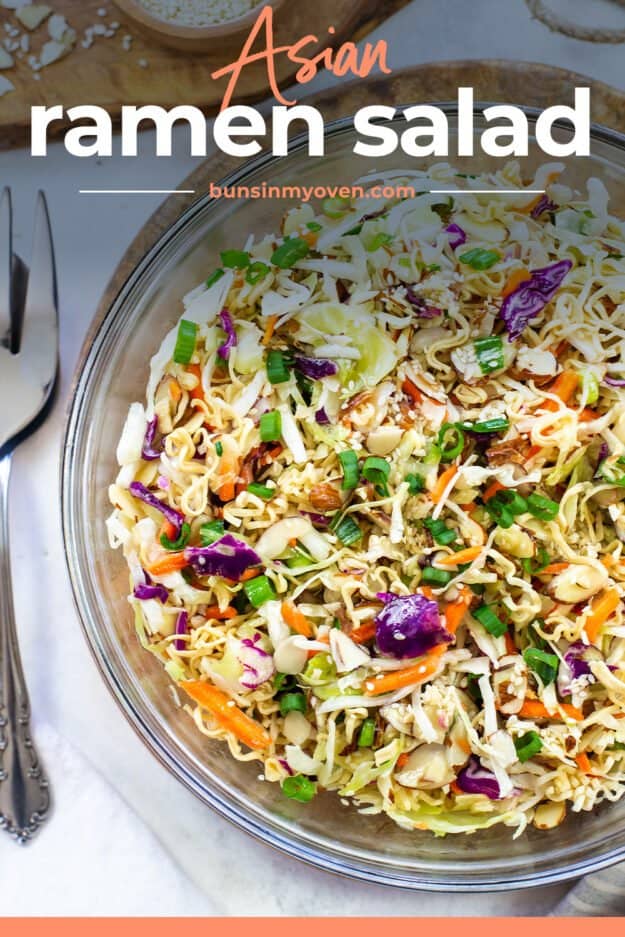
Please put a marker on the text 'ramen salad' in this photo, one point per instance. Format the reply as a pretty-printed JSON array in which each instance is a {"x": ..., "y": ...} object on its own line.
[{"x": 374, "y": 505}]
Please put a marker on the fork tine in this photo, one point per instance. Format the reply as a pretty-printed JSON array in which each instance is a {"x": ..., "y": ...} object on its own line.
[
  {"x": 6, "y": 259},
  {"x": 39, "y": 344}
]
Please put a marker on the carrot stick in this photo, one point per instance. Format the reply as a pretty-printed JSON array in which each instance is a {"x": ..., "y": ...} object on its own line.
[
  {"x": 534, "y": 709},
  {"x": 170, "y": 563},
  {"x": 441, "y": 484},
  {"x": 518, "y": 276},
  {"x": 462, "y": 556},
  {"x": 213, "y": 611},
  {"x": 563, "y": 387},
  {"x": 364, "y": 633},
  {"x": 227, "y": 474},
  {"x": 531, "y": 452},
  {"x": 296, "y": 620},
  {"x": 583, "y": 762},
  {"x": 553, "y": 569},
  {"x": 269, "y": 329},
  {"x": 174, "y": 391},
  {"x": 511, "y": 647},
  {"x": 229, "y": 716},
  {"x": 250, "y": 573},
  {"x": 401, "y": 761},
  {"x": 601, "y": 609},
  {"x": 197, "y": 393},
  {"x": 588, "y": 415},
  {"x": 455, "y": 611},
  {"x": 397, "y": 679},
  {"x": 492, "y": 490},
  {"x": 412, "y": 390},
  {"x": 168, "y": 530}
]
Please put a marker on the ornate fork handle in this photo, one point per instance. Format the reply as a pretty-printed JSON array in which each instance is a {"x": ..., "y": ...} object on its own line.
[{"x": 24, "y": 794}]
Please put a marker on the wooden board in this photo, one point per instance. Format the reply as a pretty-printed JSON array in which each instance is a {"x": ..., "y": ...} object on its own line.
[
  {"x": 530, "y": 84},
  {"x": 108, "y": 76}
]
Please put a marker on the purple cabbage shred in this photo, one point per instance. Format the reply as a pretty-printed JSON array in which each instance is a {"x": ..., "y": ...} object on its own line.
[
  {"x": 231, "y": 336},
  {"x": 531, "y": 297},
  {"x": 475, "y": 779},
  {"x": 408, "y": 626},
  {"x": 141, "y": 492},
  {"x": 148, "y": 452}
]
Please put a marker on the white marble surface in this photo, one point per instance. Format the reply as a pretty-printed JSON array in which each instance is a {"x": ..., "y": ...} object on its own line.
[{"x": 125, "y": 838}]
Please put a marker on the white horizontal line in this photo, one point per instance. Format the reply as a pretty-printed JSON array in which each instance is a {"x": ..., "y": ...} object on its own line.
[
  {"x": 487, "y": 191},
  {"x": 137, "y": 191}
]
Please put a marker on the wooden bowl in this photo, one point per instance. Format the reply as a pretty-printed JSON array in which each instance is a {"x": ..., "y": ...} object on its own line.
[{"x": 192, "y": 38}]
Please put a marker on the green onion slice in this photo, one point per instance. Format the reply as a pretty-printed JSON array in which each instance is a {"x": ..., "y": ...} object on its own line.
[
  {"x": 292, "y": 702},
  {"x": 259, "y": 590},
  {"x": 450, "y": 441},
  {"x": 236, "y": 260},
  {"x": 299, "y": 788},
  {"x": 185, "y": 342},
  {"x": 489, "y": 353},
  {"x": 270, "y": 426},
  {"x": 543, "y": 664},
  {"x": 366, "y": 735},
  {"x": 486, "y": 617},
  {"x": 436, "y": 577},
  {"x": 211, "y": 532},
  {"x": 376, "y": 471},
  {"x": 219, "y": 449},
  {"x": 441, "y": 533},
  {"x": 416, "y": 483},
  {"x": 498, "y": 424},
  {"x": 528, "y": 745},
  {"x": 314, "y": 226},
  {"x": 351, "y": 470},
  {"x": 289, "y": 252},
  {"x": 543, "y": 508},
  {"x": 479, "y": 258},
  {"x": 261, "y": 491},
  {"x": 277, "y": 369},
  {"x": 256, "y": 272},
  {"x": 180, "y": 543},
  {"x": 347, "y": 530},
  {"x": 214, "y": 277}
]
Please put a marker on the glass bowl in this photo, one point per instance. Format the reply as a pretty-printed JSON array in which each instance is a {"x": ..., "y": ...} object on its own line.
[{"x": 113, "y": 374}]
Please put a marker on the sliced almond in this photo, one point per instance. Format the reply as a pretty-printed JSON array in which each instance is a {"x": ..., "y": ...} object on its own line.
[
  {"x": 548, "y": 816},
  {"x": 6, "y": 60},
  {"x": 5, "y": 86}
]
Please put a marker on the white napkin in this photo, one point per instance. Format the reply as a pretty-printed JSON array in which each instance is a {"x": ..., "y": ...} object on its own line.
[{"x": 94, "y": 856}]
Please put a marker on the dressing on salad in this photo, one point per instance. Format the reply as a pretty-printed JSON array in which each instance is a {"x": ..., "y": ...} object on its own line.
[{"x": 373, "y": 506}]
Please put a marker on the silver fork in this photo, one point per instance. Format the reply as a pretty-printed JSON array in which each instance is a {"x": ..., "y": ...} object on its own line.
[{"x": 28, "y": 371}]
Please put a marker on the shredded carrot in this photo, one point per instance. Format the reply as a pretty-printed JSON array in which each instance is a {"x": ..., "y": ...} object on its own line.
[
  {"x": 197, "y": 393},
  {"x": 455, "y": 611},
  {"x": 607, "y": 560},
  {"x": 441, "y": 484},
  {"x": 269, "y": 329},
  {"x": 402, "y": 760},
  {"x": 364, "y": 633},
  {"x": 229, "y": 716},
  {"x": 519, "y": 275},
  {"x": 600, "y": 610},
  {"x": 412, "y": 390},
  {"x": 170, "y": 563},
  {"x": 553, "y": 569},
  {"x": 396, "y": 679},
  {"x": 492, "y": 490},
  {"x": 462, "y": 556},
  {"x": 455, "y": 788},
  {"x": 247, "y": 574},
  {"x": 469, "y": 508},
  {"x": 583, "y": 762},
  {"x": 227, "y": 473},
  {"x": 588, "y": 415},
  {"x": 534, "y": 709},
  {"x": 311, "y": 238},
  {"x": 168, "y": 530},
  {"x": 563, "y": 387},
  {"x": 511, "y": 647},
  {"x": 213, "y": 611},
  {"x": 531, "y": 452},
  {"x": 174, "y": 391},
  {"x": 560, "y": 348},
  {"x": 296, "y": 620},
  {"x": 426, "y": 591}
]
